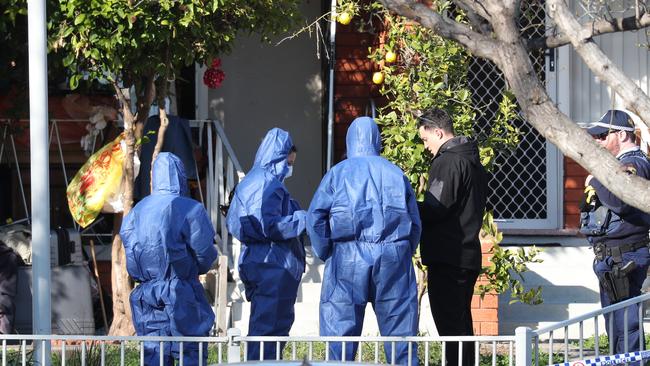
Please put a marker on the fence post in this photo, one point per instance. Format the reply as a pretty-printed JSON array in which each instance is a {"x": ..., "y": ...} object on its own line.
[
  {"x": 234, "y": 345},
  {"x": 523, "y": 346}
]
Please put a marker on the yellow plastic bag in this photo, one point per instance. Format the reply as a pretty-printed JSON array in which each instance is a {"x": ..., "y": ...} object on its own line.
[{"x": 98, "y": 179}]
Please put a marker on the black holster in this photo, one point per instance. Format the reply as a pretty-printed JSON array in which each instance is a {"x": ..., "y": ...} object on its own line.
[{"x": 616, "y": 282}]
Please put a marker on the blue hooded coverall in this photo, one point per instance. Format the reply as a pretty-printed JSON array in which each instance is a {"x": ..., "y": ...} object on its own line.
[
  {"x": 364, "y": 222},
  {"x": 268, "y": 222},
  {"x": 168, "y": 242}
]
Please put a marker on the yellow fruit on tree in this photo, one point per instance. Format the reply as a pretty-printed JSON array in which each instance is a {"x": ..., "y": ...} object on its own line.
[
  {"x": 344, "y": 18},
  {"x": 390, "y": 56},
  {"x": 378, "y": 77}
]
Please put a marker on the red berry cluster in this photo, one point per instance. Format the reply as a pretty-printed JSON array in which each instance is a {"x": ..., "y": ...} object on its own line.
[{"x": 213, "y": 76}]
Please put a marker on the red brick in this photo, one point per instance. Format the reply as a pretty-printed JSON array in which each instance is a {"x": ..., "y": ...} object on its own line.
[
  {"x": 482, "y": 315},
  {"x": 343, "y": 52},
  {"x": 572, "y": 209},
  {"x": 573, "y": 195},
  {"x": 574, "y": 182},
  {"x": 362, "y": 40},
  {"x": 476, "y": 301},
  {"x": 486, "y": 246},
  {"x": 485, "y": 261},
  {"x": 477, "y": 328},
  {"x": 351, "y": 104},
  {"x": 352, "y": 77},
  {"x": 490, "y": 301},
  {"x": 571, "y": 221},
  {"x": 356, "y": 64},
  {"x": 489, "y": 328},
  {"x": 361, "y": 91}
]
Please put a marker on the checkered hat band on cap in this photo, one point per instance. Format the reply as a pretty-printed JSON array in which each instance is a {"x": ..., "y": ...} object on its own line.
[{"x": 611, "y": 127}]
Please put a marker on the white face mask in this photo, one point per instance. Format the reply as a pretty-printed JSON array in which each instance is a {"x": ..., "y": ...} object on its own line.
[{"x": 289, "y": 172}]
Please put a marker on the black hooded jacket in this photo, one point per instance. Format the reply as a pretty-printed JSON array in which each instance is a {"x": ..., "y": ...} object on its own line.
[{"x": 452, "y": 211}]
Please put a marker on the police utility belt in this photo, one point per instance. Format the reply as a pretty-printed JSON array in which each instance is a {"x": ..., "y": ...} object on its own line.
[
  {"x": 603, "y": 251},
  {"x": 595, "y": 221}
]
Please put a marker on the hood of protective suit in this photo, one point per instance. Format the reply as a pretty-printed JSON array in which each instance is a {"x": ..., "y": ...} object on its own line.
[
  {"x": 363, "y": 138},
  {"x": 273, "y": 152},
  {"x": 169, "y": 175}
]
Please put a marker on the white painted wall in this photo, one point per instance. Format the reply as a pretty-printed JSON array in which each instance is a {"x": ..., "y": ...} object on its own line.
[
  {"x": 569, "y": 287},
  {"x": 270, "y": 86}
]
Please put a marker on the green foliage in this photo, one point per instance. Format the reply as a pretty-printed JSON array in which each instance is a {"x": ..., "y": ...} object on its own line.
[
  {"x": 430, "y": 72},
  {"x": 603, "y": 343},
  {"x": 506, "y": 268},
  {"x": 130, "y": 40}
]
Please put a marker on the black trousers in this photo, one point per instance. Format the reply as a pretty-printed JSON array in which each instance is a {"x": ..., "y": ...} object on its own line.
[{"x": 450, "y": 296}]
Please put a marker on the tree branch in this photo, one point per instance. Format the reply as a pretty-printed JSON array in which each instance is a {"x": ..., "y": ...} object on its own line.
[
  {"x": 478, "y": 16},
  {"x": 540, "y": 111},
  {"x": 480, "y": 45},
  {"x": 595, "y": 28},
  {"x": 599, "y": 63}
]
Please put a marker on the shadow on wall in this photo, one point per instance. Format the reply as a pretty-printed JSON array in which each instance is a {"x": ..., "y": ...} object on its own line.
[{"x": 560, "y": 303}]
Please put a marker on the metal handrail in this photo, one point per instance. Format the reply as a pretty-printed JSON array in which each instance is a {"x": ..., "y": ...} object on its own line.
[
  {"x": 226, "y": 142},
  {"x": 592, "y": 314}
]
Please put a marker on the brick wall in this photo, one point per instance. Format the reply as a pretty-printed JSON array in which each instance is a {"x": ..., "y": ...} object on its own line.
[
  {"x": 485, "y": 311},
  {"x": 353, "y": 81},
  {"x": 574, "y": 183}
]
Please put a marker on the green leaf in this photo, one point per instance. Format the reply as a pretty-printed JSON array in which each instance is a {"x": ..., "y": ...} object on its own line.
[
  {"x": 68, "y": 59},
  {"x": 74, "y": 81},
  {"x": 79, "y": 18}
]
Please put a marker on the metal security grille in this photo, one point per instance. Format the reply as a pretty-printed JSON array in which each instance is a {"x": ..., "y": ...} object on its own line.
[{"x": 518, "y": 184}]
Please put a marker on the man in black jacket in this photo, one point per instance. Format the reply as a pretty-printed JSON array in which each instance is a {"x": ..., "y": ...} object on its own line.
[{"x": 452, "y": 214}]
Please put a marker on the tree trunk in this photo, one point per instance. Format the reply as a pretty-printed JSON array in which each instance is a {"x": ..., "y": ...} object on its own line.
[
  {"x": 421, "y": 278},
  {"x": 122, "y": 324},
  {"x": 164, "y": 122}
]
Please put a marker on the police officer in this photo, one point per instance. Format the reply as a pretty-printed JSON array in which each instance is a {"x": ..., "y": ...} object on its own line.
[{"x": 617, "y": 231}]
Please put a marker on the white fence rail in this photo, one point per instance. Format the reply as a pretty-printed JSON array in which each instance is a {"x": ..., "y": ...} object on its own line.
[
  {"x": 528, "y": 347},
  {"x": 105, "y": 350},
  {"x": 552, "y": 345}
]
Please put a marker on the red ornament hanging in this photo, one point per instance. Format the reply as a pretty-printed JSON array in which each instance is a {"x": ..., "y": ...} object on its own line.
[{"x": 213, "y": 76}]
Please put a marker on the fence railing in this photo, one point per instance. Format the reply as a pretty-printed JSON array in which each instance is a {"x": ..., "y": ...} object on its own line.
[
  {"x": 554, "y": 344},
  {"x": 527, "y": 347},
  {"x": 105, "y": 350}
]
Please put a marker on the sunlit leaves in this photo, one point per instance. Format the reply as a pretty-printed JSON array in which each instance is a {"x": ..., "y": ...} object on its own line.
[{"x": 134, "y": 39}]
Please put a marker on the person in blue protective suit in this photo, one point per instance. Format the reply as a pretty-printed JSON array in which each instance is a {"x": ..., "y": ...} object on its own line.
[
  {"x": 363, "y": 222},
  {"x": 168, "y": 240},
  {"x": 268, "y": 222},
  {"x": 617, "y": 231}
]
